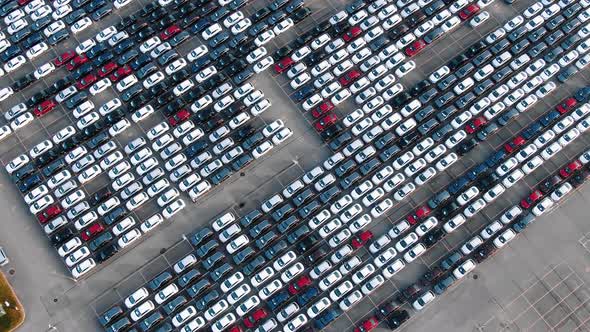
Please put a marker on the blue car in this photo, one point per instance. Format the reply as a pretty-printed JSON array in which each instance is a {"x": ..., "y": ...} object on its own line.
[
  {"x": 532, "y": 130},
  {"x": 496, "y": 158},
  {"x": 456, "y": 186},
  {"x": 583, "y": 95},
  {"x": 548, "y": 118},
  {"x": 477, "y": 170},
  {"x": 303, "y": 93},
  {"x": 276, "y": 301},
  {"x": 307, "y": 296},
  {"x": 325, "y": 319}
]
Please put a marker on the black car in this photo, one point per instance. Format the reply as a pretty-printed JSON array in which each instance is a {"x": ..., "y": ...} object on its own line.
[
  {"x": 106, "y": 253},
  {"x": 457, "y": 61},
  {"x": 300, "y": 14},
  {"x": 61, "y": 236},
  {"x": 53, "y": 168},
  {"x": 23, "y": 82},
  {"x": 331, "y": 132},
  {"x": 397, "y": 319},
  {"x": 319, "y": 253},
  {"x": 260, "y": 14}
]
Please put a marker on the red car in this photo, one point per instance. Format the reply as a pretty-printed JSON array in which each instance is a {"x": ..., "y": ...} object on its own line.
[
  {"x": 352, "y": 33},
  {"x": 325, "y": 122},
  {"x": 65, "y": 57},
  {"x": 368, "y": 325},
  {"x": 76, "y": 62},
  {"x": 120, "y": 73},
  {"x": 468, "y": 12},
  {"x": 86, "y": 81},
  {"x": 361, "y": 239},
  {"x": 570, "y": 168},
  {"x": 284, "y": 65},
  {"x": 92, "y": 231},
  {"x": 253, "y": 320},
  {"x": 322, "y": 109},
  {"x": 236, "y": 328},
  {"x": 566, "y": 106},
  {"x": 170, "y": 32},
  {"x": 105, "y": 70},
  {"x": 415, "y": 47},
  {"x": 516, "y": 142},
  {"x": 423, "y": 212},
  {"x": 298, "y": 285},
  {"x": 419, "y": 214},
  {"x": 179, "y": 117},
  {"x": 23, "y": 2},
  {"x": 44, "y": 108},
  {"x": 349, "y": 78},
  {"x": 49, "y": 213},
  {"x": 475, "y": 125},
  {"x": 531, "y": 199}
]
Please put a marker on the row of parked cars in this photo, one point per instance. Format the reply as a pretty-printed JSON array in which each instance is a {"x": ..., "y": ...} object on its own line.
[
  {"x": 34, "y": 26},
  {"x": 497, "y": 233},
  {"x": 377, "y": 33},
  {"x": 74, "y": 97},
  {"x": 170, "y": 34}
]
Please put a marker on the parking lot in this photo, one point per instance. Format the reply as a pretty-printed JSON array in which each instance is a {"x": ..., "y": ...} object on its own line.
[{"x": 544, "y": 261}]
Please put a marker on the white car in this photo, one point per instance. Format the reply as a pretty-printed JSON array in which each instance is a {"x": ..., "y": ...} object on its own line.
[
  {"x": 211, "y": 31},
  {"x": 502, "y": 239},
  {"x": 83, "y": 268},
  {"x": 14, "y": 63},
  {"x": 81, "y": 25},
  {"x": 264, "y": 38},
  {"x": 44, "y": 70},
  {"x": 241, "y": 26}
]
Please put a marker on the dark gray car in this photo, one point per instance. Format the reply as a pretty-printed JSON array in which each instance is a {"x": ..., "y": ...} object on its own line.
[
  {"x": 212, "y": 260},
  {"x": 265, "y": 239},
  {"x": 259, "y": 228},
  {"x": 159, "y": 281},
  {"x": 188, "y": 277},
  {"x": 221, "y": 271}
]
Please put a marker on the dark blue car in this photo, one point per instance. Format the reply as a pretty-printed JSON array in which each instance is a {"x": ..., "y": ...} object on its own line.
[
  {"x": 276, "y": 301},
  {"x": 548, "y": 118},
  {"x": 307, "y": 296},
  {"x": 457, "y": 185},
  {"x": 495, "y": 158},
  {"x": 303, "y": 93}
]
